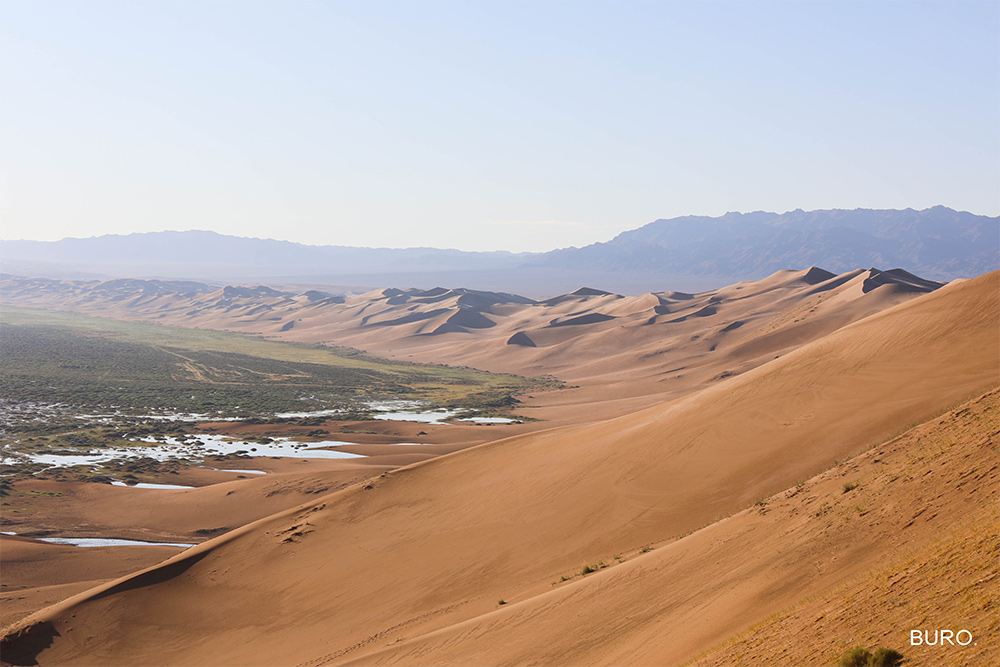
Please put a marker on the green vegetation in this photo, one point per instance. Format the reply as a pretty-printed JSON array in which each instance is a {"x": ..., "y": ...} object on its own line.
[
  {"x": 862, "y": 657},
  {"x": 48, "y": 358},
  {"x": 850, "y": 486},
  {"x": 70, "y": 384},
  {"x": 493, "y": 403}
]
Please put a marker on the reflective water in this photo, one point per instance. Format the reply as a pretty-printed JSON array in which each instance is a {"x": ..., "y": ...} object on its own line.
[
  {"x": 102, "y": 541},
  {"x": 409, "y": 411},
  {"x": 194, "y": 447},
  {"x": 144, "y": 485},
  {"x": 108, "y": 542},
  {"x": 429, "y": 417}
]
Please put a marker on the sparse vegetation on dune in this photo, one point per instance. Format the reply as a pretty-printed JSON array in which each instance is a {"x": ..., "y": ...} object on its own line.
[
  {"x": 862, "y": 657},
  {"x": 949, "y": 579}
]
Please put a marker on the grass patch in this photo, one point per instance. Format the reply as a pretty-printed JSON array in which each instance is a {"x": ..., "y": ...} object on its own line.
[{"x": 588, "y": 569}]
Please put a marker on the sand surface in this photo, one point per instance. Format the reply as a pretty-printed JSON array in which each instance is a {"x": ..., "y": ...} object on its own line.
[
  {"x": 36, "y": 574},
  {"x": 409, "y": 566},
  {"x": 667, "y": 605}
]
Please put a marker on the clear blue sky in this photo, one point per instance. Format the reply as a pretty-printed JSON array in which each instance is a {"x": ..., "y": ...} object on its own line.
[{"x": 486, "y": 125}]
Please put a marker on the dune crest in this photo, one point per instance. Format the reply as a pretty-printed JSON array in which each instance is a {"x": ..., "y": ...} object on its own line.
[{"x": 622, "y": 353}]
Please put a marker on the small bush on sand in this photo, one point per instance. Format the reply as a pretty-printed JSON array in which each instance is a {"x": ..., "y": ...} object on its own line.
[
  {"x": 856, "y": 657},
  {"x": 587, "y": 569},
  {"x": 862, "y": 657},
  {"x": 886, "y": 657}
]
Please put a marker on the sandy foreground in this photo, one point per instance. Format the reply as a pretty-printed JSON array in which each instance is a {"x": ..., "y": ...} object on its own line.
[{"x": 705, "y": 506}]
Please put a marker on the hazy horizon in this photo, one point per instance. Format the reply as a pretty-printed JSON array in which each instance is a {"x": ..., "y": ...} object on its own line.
[
  {"x": 487, "y": 126},
  {"x": 567, "y": 244}
]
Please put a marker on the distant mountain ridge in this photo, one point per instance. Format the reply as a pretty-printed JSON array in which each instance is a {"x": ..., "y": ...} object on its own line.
[
  {"x": 938, "y": 243},
  {"x": 202, "y": 250},
  {"x": 693, "y": 252}
]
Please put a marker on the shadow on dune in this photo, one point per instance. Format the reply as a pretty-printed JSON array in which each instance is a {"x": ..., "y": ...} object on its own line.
[{"x": 22, "y": 646}]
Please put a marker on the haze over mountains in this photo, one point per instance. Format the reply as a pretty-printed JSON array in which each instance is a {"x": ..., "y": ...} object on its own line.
[
  {"x": 691, "y": 253},
  {"x": 938, "y": 243}
]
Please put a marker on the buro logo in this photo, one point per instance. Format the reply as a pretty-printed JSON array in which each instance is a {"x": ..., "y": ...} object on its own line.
[{"x": 940, "y": 637}]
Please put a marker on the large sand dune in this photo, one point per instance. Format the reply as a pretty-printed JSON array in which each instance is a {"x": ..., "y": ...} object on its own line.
[
  {"x": 431, "y": 546},
  {"x": 619, "y": 354},
  {"x": 672, "y": 603}
]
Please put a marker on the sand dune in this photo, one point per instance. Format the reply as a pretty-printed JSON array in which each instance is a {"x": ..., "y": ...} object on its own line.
[
  {"x": 428, "y": 547},
  {"x": 37, "y": 574},
  {"x": 81, "y": 509},
  {"x": 619, "y": 353},
  {"x": 668, "y": 605}
]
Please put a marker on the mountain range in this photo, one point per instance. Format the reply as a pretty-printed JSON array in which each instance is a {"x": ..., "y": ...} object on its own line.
[{"x": 691, "y": 253}]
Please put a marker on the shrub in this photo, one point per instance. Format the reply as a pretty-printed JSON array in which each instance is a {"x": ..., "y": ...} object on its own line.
[
  {"x": 862, "y": 657},
  {"x": 856, "y": 657},
  {"x": 587, "y": 569},
  {"x": 850, "y": 486},
  {"x": 885, "y": 657}
]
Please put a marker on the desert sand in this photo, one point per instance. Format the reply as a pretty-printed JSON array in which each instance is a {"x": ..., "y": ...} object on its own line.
[
  {"x": 617, "y": 354},
  {"x": 698, "y": 466}
]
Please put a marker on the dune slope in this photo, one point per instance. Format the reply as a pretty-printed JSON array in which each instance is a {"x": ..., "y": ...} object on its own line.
[{"x": 886, "y": 555}]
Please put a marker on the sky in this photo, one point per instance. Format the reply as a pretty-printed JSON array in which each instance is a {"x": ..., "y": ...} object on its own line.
[{"x": 503, "y": 125}]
